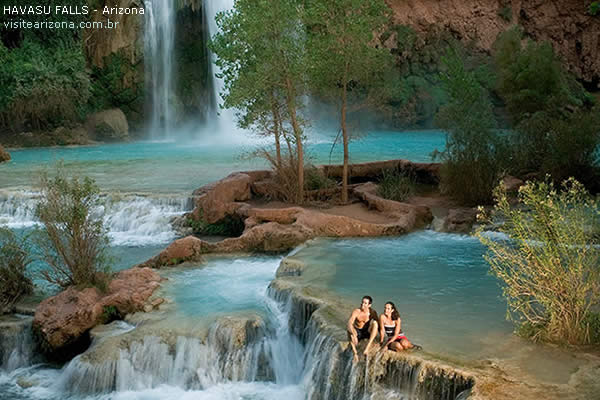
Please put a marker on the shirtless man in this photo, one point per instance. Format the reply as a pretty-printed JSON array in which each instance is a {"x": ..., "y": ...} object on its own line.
[{"x": 362, "y": 325}]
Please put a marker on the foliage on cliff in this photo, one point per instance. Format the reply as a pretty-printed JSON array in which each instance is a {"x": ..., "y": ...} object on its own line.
[
  {"x": 45, "y": 81},
  {"x": 42, "y": 86},
  {"x": 43, "y": 78},
  {"x": 556, "y": 127},
  {"x": 549, "y": 263},
  {"x": 472, "y": 156}
]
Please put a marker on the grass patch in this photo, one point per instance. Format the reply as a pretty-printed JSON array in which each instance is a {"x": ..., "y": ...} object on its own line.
[{"x": 396, "y": 185}]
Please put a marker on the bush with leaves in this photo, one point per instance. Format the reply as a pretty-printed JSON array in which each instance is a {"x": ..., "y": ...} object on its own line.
[
  {"x": 556, "y": 128},
  {"x": 549, "y": 265},
  {"x": 42, "y": 87},
  {"x": 396, "y": 185},
  {"x": 471, "y": 158},
  {"x": 73, "y": 241},
  {"x": 15, "y": 256}
]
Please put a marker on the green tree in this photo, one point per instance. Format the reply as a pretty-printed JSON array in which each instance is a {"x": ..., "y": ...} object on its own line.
[
  {"x": 15, "y": 256},
  {"x": 73, "y": 241},
  {"x": 260, "y": 50},
  {"x": 556, "y": 128},
  {"x": 471, "y": 162},
  {"x": 549, "y": 264},
  {"x": 343, "y": 59}
]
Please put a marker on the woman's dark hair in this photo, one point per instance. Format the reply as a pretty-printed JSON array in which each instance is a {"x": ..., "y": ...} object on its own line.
[{"x": 395, "y": 314}]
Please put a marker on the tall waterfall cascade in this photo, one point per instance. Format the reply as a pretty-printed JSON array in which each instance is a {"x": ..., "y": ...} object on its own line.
[
  {"x": 159, "y": 38},
  {"x": 224, "y": 120},
  {"x": 161, "y": 69}
]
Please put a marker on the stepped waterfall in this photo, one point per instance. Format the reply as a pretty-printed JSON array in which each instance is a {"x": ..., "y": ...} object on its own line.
[{"x": 290, "y": 349}]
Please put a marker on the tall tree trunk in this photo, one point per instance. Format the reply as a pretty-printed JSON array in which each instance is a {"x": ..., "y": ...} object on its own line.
[
  {"x": 276, "y": 126},
  {"x": 291, "y": 104},
  {"x": 345, "y": 136}
]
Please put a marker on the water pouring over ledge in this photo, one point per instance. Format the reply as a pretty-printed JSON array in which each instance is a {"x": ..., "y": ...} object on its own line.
[
  {"x": 162, "y": 80},
  {"x": 159, "y": 37}
]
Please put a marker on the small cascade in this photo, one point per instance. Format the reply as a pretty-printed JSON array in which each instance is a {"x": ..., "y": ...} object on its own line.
[
  {"x": 159, "y": 37},
  {"x": 330, "y": 374},
  {"x": 139, "y": 220},
  {"x": 131, "y": 219},
  {"x": 283, "y": 349},
  {"x": 16, "y": 343},
  {"x": 232, "y": 351},
  {"x": 17, "y": 209}
]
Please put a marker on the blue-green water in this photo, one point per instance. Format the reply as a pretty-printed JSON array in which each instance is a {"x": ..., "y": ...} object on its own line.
[
  {"x": 439, "y": 282},
  {"x": 157, "y": 167},
  {"x": 221, "y": 285}
]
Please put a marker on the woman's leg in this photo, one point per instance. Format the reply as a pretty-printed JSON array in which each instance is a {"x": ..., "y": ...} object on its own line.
[
  {"x": 406, "y": 344},
  {"x": 395, "y": 346}
]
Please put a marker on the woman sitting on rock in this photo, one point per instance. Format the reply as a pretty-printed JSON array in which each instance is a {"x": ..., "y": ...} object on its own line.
[{"x": 391, "y": 330}]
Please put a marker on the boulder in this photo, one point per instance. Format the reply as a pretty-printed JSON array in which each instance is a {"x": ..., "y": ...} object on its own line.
[
  {"x": 267, "y": 237},
  {"x": 459, "y": 220},
  {"x": 4, "y": 155},
  {"x": 189, "y": 248},
  {"x": 214, "y": 201},
  {"x": 108, "y": 126},
  {"x": 63, "y": 136},
  {"x": 62, "y": 322}
]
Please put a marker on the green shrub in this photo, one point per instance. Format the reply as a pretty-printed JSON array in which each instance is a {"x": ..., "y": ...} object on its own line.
[
  {"x": 229, "y": 226},
  {"x": 15, "y": 256},
  {"x": 73, "y": 240},
  {"x": 42, "y": 87},
  {"x": 315, "y": 179},
  {"x": 110, "y": 313},
  {"x": 115, "y": 85},
  {"x": 396, "y": 185},
  {"x": 472, "y": 157},
  {"x": 549, "y": 264},
  {"x": 557, "y": 130},
  {"x": 505, "y": 13}
]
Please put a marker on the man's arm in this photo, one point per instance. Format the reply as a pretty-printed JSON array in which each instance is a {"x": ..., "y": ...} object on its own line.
[{"x": 350, "y": 326}]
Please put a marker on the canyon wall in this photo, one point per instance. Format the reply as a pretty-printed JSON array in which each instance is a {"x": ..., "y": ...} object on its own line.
[{"x": 573, "y": 33}]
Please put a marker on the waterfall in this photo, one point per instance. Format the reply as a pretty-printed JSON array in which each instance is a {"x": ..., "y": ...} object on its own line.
[
  {"x": 330, "y": 374},
  {"x": 233, "y": 351},
  {"x": 223, "y": 121},
  {"x": 159, "y": 37},
  {"x": 16, "y": 344},
  {"x": 131, "y": 219}
]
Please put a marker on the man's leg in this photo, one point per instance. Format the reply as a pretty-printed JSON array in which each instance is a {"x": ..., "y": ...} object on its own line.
[{"x": 373, "y": 325}]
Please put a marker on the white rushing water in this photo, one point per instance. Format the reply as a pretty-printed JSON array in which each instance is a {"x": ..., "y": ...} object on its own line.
[
  {"x": 222, "y": 121},
  {"x": 131, "y": 219},
  {"x": 159, "y": 37}
]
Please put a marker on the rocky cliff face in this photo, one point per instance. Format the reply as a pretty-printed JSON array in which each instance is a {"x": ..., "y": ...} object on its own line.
[
  {"x": 126, "y": 40},
  {"x": 573, "y": 33}
]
